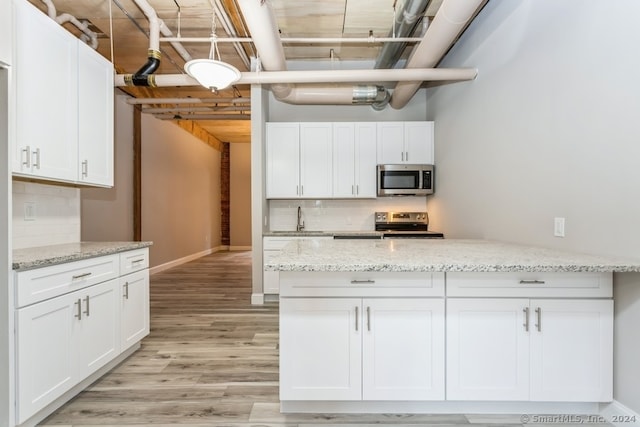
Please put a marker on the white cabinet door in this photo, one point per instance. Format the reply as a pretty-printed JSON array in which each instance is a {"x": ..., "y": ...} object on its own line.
[
  {"x": 45, "y": 353},
  {"x": 390, "y": 142},
  {"x": 403, "y": 349},
  {"x": 6, "y": 31},
  {"x": 418, "y": 142},
  {"x": 134, "y": 308},
  {"x": 97, "y": 338},
  {"x": 487, "y": 349},
  {"x": 320, "y": 349},
  {"x": 405, "y": 142},
  {"x": 316, "y": 160},
  {"x": 95, "y": 118},
  {"x": 283, "y": 160},
  {"x": 344, "y": 160},
  {"x": 365, "y": 160},
  {"x": 46, "y": 97},
  {"x": 572, "y": 350}
]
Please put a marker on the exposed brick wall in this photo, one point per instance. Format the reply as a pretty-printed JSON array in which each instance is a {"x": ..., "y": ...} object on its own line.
[{"x": 225, "y": 193}]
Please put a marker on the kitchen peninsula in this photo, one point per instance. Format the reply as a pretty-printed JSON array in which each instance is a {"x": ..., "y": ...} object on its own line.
[{"x": 444, "y": 326}]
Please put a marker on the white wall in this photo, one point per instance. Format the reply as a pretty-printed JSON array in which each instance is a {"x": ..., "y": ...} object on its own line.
[{"x": 550, "y": 128}]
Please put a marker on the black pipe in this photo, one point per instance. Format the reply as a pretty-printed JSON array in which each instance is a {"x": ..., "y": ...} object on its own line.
[{"x": 144, "y": 76}]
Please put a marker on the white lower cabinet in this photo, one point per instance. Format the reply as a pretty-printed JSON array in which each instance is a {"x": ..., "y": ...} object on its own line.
[
  {"x": 361, "y": 349},
  {"x": 537, "y": 350},
  {"x": 62, "y": 340},
  {"x": 65, "y": 337},
  {"x": 134, "y": 308}
]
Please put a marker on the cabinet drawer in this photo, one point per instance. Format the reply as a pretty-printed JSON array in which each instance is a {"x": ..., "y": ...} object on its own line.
[
  {"x": 136, "y": 260},
  {"x": 538, "y": 285},
  {"x": 361, "y": 284},
  {"x": 48, "y": 282}
]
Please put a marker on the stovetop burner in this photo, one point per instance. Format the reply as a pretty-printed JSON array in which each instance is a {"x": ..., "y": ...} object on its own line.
[{"x": 407, "y": 225}]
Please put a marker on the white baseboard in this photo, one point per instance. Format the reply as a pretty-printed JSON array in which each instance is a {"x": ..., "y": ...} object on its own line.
[
  {"x": 619, "y": 415},
  {"x": 239, "y": 248},
  {"x": 257, "y": 299},
  {"x": 184, "y": 260}
]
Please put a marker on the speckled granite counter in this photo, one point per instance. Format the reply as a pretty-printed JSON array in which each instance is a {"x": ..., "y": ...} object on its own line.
[
  {"x": 42, "y": 256},
  {"x": 312, "y": 233},
  {"x": 437, "y": 255}
]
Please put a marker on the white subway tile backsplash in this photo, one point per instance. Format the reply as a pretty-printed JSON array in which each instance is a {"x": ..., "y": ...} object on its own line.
[
  {"x": 337, "y": 215},
  {"x": 54, "y": 216}
]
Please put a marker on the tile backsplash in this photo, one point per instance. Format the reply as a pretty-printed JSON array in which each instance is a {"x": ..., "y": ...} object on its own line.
[
  {"x": 44, "y": 214},
  {"x": 337, "y": 215}
]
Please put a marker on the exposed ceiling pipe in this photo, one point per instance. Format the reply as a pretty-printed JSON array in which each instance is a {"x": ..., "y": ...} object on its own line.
[
  {"x": 286, "y": 78},
  {"x": 203, "y": 117},
  {"x": 88, "y": 36},
  {"x": 203, "y": 110},
  {"x": 262, "y": 25},
  {"x": 405, "y": 22},
  {"x": 299, "y": 40},
  {"x": 138, "y": 101},
  {"x": 144, "y": 76},
  {"x": 451, "y": 19}
]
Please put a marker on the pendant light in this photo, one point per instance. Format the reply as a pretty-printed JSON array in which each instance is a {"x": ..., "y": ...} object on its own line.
[{"x": 212, "y": 73}]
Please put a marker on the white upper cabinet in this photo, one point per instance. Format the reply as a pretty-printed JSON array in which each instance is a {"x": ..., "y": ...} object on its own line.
[
  {"x": 95, "y": 118},
  {"x": 405, "y": 142},
  {"x": 283, "y": 160},
  {"x": 6, "y": 32},
  {"x": 46, "y": 96},
  {"x": 299, "y": 160},
  {"x": 354, "y": 160},
  {"x": 63, "y": 103},
  {"x": 316, "y": 160}
]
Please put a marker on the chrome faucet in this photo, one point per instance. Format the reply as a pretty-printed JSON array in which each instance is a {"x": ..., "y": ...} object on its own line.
[{"x": 300, "y": 224}]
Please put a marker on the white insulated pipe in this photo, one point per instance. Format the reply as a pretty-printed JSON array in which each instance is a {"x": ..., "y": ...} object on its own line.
[
  {"x": 449, "y": 21},
  {"x": 298, "y": 40},
  {"x": 156, "y": 26},
  {"x": 325, "y": 76},
  {"x": 87, "y": 34},
  {"x": 142, "y": 101}
]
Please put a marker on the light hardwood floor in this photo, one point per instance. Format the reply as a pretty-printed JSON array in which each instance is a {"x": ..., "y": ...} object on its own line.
[{"x": 211, "y": 359}]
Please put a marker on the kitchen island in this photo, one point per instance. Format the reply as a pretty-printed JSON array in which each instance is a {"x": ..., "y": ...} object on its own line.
[{"x": 444, "y": 326}]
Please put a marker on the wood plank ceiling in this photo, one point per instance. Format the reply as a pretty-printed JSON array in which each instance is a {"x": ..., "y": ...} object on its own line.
[{"x": 123, "y": 39}]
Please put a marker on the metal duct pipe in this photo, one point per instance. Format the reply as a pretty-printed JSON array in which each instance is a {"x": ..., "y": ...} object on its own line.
[
  {"x": 404, "y": 24},
  {"x": 452, "y": 17},
  {"x": 325, "y": 76},
  {"x": 262, "y": 25}
]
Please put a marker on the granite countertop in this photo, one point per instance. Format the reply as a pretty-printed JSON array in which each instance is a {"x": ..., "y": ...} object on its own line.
[
  {"x": 318, "y": 233},
  {"x": 43, "y": 256},
  {"x": 432, "y": 255}
]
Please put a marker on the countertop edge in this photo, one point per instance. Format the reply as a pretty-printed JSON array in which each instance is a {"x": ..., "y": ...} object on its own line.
[{"x": 45, "y": 256}]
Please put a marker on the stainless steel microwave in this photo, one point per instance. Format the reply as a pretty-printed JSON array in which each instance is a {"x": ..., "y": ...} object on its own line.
[{"x": 405, "y": 180}]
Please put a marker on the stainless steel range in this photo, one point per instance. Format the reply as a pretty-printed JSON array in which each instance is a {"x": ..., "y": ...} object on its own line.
[{"x": 405, "y": 225}]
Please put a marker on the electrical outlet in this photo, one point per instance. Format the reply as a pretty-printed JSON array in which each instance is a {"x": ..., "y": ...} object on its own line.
[
  {"x": 558, "y": 227},
  {"x": 29, "y": 211}
]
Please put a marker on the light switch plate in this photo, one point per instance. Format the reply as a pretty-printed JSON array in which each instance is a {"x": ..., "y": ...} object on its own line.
[
  {"x": 558, "y": 227},
  {"x": 29, "y": 211}
]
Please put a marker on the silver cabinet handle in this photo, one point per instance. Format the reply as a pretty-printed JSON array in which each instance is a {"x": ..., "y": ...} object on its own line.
[
  {"x": 368, "y": 318},
  {"x": 87, "y": 310},
  {"x": 526, "y": 318},
  {"x": 27, "y": 152},
  {"x": 532, "y": 282},
  {"x": 402, "y": 156},
  {"x": 126, "y": 290},
  {"x": 81, "y": 276},
  {"x": 539, "y": 319},
  {"x": 135, "y": 261},
  {"x": 357, "y": 315},
  {"x": 36, "y": 163},
  {"x": 302, "y": 190},
  {"x": 78, "y": 314},
  {"x": 359, "y": 282},
  {"x": 85, "y": 168},
  {"x": 406, "y": 157},
  {"x": 357, "y": 189}
]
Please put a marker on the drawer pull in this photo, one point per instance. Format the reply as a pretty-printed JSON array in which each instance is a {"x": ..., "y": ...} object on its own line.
[
  {"x": 81, "y": 276},
  {"x": 366, "y": 282},
  {"x": 532, "y": 282},
  {"x": 135, "y": 261},
  {"x": 78, "y": 314}
]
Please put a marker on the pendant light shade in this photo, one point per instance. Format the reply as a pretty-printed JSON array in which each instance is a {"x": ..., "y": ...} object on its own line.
[{"x": 212, "y": 74}]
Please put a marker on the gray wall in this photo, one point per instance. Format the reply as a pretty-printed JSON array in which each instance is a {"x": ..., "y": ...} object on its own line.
[{"x": 550, "y": 128}]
